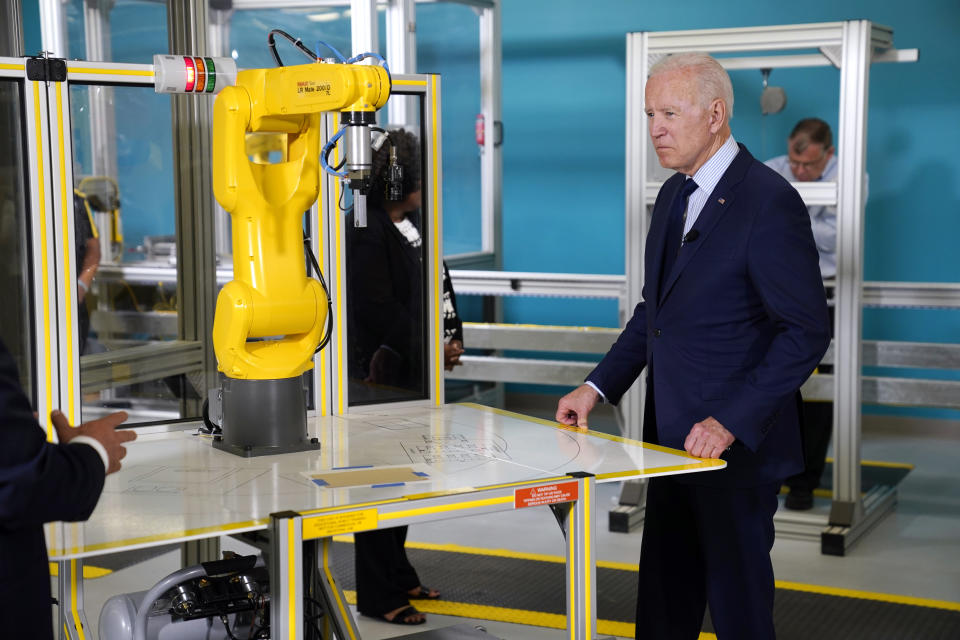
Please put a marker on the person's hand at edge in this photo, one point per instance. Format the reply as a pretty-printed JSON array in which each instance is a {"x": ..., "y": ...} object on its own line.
[
  {"x": 574, "y": 407},
  {"x": 451, "y": 354},
  {"x": 103, "y": 430},
  {"x": 708, "y": 439}
]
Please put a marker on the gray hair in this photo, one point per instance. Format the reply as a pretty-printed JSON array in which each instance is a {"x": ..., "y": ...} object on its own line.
[{"x": 713, "y": 80}]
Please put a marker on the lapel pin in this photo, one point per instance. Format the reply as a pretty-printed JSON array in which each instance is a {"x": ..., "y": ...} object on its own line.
[{"x": 721, "y": 200}]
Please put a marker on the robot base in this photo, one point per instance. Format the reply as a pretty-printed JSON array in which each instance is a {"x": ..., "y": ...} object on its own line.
[{"x": 263, "y": 417}]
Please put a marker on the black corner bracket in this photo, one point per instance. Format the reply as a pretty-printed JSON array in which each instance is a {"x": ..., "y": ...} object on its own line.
[{"x": 41, "y": 69}]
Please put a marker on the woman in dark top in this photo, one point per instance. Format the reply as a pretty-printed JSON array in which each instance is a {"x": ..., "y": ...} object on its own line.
[{"x": 387, "y": 333}]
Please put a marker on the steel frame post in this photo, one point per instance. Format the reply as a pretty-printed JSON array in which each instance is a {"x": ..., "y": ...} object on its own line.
[
  {"x": 286, "y": 575},
  {"x": 401, "y": 27},
  {"x": 847, "y": 505},
  {"x": 103, "y": 158},
  {"x": 42, "y": 241},
  {"x": 637, "y": 214},
  {"x": 364, "y": 28},
  {"x": 577, "y": 522},
  {"x": 192, "y": 136},
  {"x": 11, "y": 33},
  {"x": 491, "y": 162},
  {"x": 335, "y": 602},
  {"x": 73, "y": 620},
  {"x": 65, "y": 276},
  {"x": 53, "y": 28}
]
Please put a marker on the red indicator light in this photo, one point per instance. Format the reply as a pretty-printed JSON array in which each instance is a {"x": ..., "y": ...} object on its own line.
[{"x": 191, "y": 73}]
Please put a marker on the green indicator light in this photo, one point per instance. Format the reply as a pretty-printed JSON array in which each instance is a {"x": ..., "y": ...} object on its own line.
[{"x": 211, "y": 75}]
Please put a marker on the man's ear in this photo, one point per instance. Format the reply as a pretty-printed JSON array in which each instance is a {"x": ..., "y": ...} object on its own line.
[
  {"x": 830, "y": 152},
  {"x": 718, "y": 115}
]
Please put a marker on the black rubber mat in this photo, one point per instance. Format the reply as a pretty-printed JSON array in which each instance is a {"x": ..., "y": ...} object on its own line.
[{"x": 538, "y": 586}]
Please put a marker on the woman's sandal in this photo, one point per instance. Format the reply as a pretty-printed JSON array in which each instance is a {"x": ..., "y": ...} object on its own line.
[
  {"x": 402, "y": 617},
  {"x": 423, "y": 593}
]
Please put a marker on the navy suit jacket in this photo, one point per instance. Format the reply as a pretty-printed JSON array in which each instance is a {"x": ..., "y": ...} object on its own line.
[
  {"x": 739, "y": 324},
  {"x": 39, "y": 482}
]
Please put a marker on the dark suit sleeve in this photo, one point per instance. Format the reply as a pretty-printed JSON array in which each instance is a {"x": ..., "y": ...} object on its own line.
[
  {"x": 784, "y": 269},
  {"x": 625, "y": 359},
  {"x": 40, "y": 481}
]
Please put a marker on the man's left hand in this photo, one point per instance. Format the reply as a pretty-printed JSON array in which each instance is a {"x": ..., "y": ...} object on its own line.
[{"x": 708, "y": 439}]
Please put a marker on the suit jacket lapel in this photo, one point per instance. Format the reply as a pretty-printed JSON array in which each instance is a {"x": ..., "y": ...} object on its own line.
[
  {"x": 717, "y": 205},
  {"x": 657, "y": 235}
]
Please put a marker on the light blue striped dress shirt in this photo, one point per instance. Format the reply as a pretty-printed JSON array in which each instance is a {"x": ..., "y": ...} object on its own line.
[{"x": 707, "y": 178}]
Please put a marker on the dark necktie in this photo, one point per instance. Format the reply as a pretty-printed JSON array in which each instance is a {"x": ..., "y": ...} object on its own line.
[{"x": 675, "y": 223}]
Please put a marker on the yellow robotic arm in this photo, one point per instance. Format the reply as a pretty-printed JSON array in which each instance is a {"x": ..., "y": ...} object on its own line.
[{"x": 274, "y": 114}]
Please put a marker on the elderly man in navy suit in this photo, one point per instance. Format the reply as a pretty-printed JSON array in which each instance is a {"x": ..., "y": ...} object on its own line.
[
  {"x": 734, "y": 319},
  {"x": 39, "y": 482}
]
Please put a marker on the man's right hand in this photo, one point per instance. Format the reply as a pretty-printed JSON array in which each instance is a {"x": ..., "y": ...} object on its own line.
[
  {"x": 104, "y": 430},
  {"x": 574, "y": 407}
]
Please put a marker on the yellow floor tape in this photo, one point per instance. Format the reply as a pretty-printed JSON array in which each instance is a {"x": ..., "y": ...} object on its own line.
[{"x": 89, "y": 572}]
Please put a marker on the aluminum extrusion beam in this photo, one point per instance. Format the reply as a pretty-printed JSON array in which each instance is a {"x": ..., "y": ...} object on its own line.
[
  {"x": 854, "y": 88},
  {"x": 793, "y": 36},
  {"x": 518, "y": 283},
  {"x": 916, "y": 295},
  {"x": 811, "y": 60},
  {"x": 917, "y": 355},
  {"x": 364, "y": 27},
  {"x": 539, "y": 338},
  {"x": 907, "y": 392},
  {"x": 533, "y": 371},
  {"x": 813, "y": 193},
  {"x": 401, "y": 32}
]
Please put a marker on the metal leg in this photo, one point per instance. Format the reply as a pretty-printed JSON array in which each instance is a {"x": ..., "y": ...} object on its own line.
[
  {"x": 579, "y": 528},
  {"x": 629, "y": 513},
  {"x": 197, "y": 551},
  {"x": 73, "y": 621},
  {"x": 338, "y": 614},
  {"x": 286, "y": 576}
]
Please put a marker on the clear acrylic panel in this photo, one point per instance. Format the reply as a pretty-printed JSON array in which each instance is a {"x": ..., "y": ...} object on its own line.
[
  {"x": 249, "y": 29},
  {"x": 386, "y": 284},
  {"x": 448, "y": 43},
  {"x": 124, "y": 222},
  {"x": 16, "y": 330},
  {"x": 119, "y": 31}
]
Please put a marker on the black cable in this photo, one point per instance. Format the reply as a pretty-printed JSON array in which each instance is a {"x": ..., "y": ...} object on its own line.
[
  {"x": 209, "y": 428},
  {"x": 271, "y": 42},
  {"x": 323, "y": 283},
  {"x": 226, "y": 626},
  {"x": 318, "y": 605},
  {"x": 326, "y": 158},
  {"x": 316, "y": 629}
]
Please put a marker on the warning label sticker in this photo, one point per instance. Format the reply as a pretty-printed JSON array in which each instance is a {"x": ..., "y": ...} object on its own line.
[
  {"x": 337, "y": 523},
  {"x": 547, "y": 494}
]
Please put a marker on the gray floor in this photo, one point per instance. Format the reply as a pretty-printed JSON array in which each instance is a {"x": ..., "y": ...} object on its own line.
[{"x": 914, "y": 551}]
